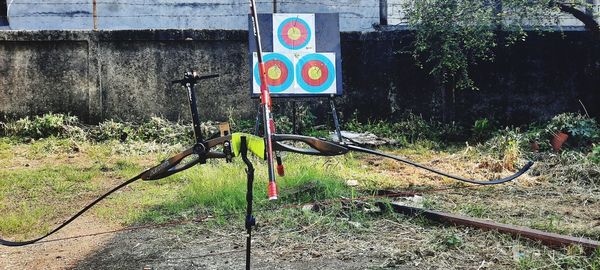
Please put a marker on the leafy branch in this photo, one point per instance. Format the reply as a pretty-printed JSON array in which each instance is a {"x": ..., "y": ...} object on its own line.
[{"x": 455, "y": 35}]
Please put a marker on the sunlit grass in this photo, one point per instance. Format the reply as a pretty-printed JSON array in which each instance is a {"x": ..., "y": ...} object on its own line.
[{"x": 219, "y": 188}]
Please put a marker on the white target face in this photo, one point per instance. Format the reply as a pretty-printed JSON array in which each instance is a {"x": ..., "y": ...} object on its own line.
[{"x": 294, "y": 33}]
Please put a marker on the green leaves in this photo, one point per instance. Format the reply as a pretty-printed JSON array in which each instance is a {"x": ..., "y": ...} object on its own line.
[{"x": 452, "y": 36}]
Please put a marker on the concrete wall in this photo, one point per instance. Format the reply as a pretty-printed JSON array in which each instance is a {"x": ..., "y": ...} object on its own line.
[
  {"x": 121, "y": 74},
  {"x": 125, "y": 75},
  {"x": 355, "y": 15}
]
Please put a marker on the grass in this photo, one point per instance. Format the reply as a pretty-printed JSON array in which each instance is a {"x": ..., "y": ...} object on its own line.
[
  {"x": 62, "y": 167},
  {"x": 59, "y": 170},
  {"x": 217, "y": 188},
  {"x": 60, "y": 174},
  {"x": 45, "y": 180},
  {"x": 475, "y": 210}
]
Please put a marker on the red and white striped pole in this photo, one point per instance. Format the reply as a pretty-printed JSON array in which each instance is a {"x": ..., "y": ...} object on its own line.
[{"x": 265, "y": 97}]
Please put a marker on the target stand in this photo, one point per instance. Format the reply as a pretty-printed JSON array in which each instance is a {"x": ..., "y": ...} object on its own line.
[{"x": 302, "y": 57}]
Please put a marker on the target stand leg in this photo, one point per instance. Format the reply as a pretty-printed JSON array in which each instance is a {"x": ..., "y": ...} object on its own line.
[
  {"x": 336, "y": 121},
  {"x": 250, "y": 221},
  {"x": 257, "y": 122}
]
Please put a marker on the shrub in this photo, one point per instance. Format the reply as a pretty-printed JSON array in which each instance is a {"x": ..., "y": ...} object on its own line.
[
  {"x": 507, "y": 145},
  {"x": 410, "y": 128},
  {"x": 595, "y": 154},
  {"x": 44, "y": 126},
  {"x": 482, "y": 130},
  {"x": 109, "y": 130},
  {"x": 583, "y": 129}
]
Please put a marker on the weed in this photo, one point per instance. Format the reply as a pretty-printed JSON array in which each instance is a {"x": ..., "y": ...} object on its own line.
[
  {"x": 583, "y": 129},
  {"x": 428, "y": 203},
  {"x": 595, "y": 154},
  {"x": 482, "y": 130},
  {"x": 526, "y": 262},
  {"x": 475, "y": 210},
  {"x": 452, "y": 240},
  {"x": 44, "y": 126},
  {"x": 409, "y": 129},
  {"x": 551, "y": 224},
  {"x": 507, "y": 146}
]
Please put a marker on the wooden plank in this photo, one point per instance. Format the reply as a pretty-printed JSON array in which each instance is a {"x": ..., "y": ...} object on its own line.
[{"x": 550, "y": 239}]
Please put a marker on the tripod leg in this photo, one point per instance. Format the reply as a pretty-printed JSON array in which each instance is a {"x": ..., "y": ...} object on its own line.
[
  {"x": 250, "y": 220},
  {"x": 257, "y": 122},
  {"x": 336, "y": 121}
]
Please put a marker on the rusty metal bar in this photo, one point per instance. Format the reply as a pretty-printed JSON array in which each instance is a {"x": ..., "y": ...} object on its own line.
[{"x": 546, "y": 238}]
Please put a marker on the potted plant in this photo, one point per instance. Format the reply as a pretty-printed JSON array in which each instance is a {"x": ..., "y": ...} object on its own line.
[
  {"x": 559, "y": 127},
  {"x": 580, "y": 127},
  {"x": 534, "y": 137}
]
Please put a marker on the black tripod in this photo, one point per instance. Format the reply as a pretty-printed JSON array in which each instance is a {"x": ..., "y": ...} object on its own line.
[{"x": 250, "y": 221}]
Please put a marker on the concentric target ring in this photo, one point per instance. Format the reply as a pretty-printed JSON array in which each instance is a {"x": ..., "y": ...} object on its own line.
[
  {"x": 279, "y": 70},
  {"x": 294, "y": 33},
  {"x": 315, "y": 73}
]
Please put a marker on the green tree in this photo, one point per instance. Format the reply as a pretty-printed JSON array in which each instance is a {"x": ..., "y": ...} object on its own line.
[{"x": 453, "y": 36}]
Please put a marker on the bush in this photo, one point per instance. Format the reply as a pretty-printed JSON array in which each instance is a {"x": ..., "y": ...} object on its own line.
[
  {"x": 109, "y": 130},
  {"x": 583, "y": 130},
  {"x": 507, "y": 145},
  {"x": 59, "y": 125},
  {"x": 482, "y": 130},
  {"x": 595, "y": 154},
  {"x": 44, "y": 126},
  {"x": 409, "y": 129}
]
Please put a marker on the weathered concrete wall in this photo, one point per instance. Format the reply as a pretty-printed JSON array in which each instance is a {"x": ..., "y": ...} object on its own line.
[
  {"x": 125, "y": 74},
  {"x": 44, "y": 76},
  {"x": 355, "y": 15},
  {"x": 121, "y": 74}
]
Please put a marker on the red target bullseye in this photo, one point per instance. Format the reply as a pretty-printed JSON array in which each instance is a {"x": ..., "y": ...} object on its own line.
[
  {"x": 315, "y": 73},
  {"x": 277, "y": 72},
  {"x": 294, "y": 34}
]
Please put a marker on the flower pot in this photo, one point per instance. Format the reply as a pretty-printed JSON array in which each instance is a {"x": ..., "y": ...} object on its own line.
[
  {"x": 535, "y": 147},
  {"x": 558, "y": 139}
]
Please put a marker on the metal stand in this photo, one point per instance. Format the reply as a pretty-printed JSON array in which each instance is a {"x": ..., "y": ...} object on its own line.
[
  {"x": 294, "y": 129},
  {"x": 250, "y": 220},
  {"x": 257, "y": 122},
  {"x": 336, "y": 122}
]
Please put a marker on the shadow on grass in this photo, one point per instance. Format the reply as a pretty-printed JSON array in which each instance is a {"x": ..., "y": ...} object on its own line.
[{"x": 219, "y": 190}]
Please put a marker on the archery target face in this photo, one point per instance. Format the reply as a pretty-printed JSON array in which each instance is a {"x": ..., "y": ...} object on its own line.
[
  {"x": 315, "y": 73},
  {"x": 294, "y": 33},
  {"x": 280, "y": 72}
]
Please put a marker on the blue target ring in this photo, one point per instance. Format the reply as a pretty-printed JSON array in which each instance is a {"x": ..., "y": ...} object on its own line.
[
  {"x": 325, "y": 62},
  {"x": 287, "y": 70},
  {"x": 283, "y": 38}
]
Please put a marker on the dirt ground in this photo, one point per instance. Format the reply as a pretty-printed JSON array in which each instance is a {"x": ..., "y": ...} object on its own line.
[
  {"x": 301, "y": 239},
  {"x": 379, "y": 241},
  {"x": 388, "y": 245}
]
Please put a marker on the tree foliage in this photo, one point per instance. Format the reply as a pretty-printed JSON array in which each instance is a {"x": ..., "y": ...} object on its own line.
[{"x": 454, "y": 35}]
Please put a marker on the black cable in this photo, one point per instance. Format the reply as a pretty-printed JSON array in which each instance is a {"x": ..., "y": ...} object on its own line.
[
  {"x": 85, "y": 209},
  {"x": 472, "y": 181}
]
